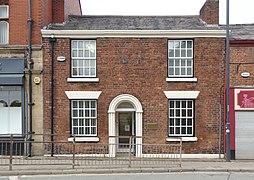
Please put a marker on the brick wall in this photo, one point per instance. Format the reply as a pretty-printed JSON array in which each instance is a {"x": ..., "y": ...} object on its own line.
[
  {"x": 4, "y": 2},
  {"x": 18, "y": 22},
  {"x": 71, "y": 8},
  {"x": 58, "y": 11},
  {"x": 41, "y": 16},
  {"x": 144, "y": 76},
  {"x": 63, "y": 8},
  {"x": 47, "y": 11},
  {"x": 210, "y": 12},
  {"x": 18, "y": 26},
  {"x": 241, "y": 59}
]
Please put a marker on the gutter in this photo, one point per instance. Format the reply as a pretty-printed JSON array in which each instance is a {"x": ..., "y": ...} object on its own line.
[{"x": 134, "y": 33}]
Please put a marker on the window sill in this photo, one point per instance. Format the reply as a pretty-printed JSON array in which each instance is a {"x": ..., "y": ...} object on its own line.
[
  {"x": 185, "y": 139},
  {"x": 84, "y": 139},
  {"x": 82, "y": 79},
  {"x": 181, "y": 79}
]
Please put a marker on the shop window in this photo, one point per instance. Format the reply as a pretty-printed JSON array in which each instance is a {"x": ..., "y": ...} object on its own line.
[{"x": 10, "y": 110}]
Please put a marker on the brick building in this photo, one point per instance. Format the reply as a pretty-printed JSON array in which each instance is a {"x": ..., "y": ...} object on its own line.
[
  {"x": 150, "y": 76},
  {"x": 21, "y": 61},
  {"x": 242, "y": 91}
]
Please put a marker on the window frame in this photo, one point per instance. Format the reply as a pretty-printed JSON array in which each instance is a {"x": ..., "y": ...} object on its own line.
[
  {"x": 20, "y": 90},
  {"x": 186, "y": 58},
  {"x": 90, "y": 59},
  {"x": 181, "y": 117},
  {"x": 7, "y": 8},
  {"x": 84, "y": 118},
  {"x": 7, "y": 32}
]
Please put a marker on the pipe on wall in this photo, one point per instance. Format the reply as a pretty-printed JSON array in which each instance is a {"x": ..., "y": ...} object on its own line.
[
  {"x": 30, "y": 67},
  {"x": 52, "y": 41}
]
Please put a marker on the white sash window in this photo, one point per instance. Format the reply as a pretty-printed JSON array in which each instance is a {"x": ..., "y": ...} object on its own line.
[{"x": 4, "y": 32}]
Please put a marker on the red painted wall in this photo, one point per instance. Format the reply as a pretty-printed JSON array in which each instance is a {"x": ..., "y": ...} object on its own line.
[{"x": 232, "y": 120}]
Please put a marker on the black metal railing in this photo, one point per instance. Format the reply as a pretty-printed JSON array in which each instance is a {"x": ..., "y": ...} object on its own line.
[{"x": 81, "y": 152}]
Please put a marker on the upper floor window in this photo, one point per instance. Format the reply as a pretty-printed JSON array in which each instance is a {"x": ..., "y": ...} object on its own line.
[
  {"x": 83, "y": 62},
  {"x": 4, "y": 32},
  {"x": 4, "y": 11},
  {"x": 180, "y": 58}
]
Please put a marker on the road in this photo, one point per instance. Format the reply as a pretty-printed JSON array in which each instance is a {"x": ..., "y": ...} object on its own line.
[{"x": 140, "y": 176}]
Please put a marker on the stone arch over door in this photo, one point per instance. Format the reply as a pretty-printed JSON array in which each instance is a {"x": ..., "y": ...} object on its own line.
[{"x": 112, "y": 121}]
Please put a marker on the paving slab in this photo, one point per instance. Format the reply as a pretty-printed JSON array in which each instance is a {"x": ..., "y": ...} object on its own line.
[{"x": 200, "y": 165}]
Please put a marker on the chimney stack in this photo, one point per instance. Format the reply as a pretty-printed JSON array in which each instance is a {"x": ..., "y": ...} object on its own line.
[{"x": 210, "y": 12}]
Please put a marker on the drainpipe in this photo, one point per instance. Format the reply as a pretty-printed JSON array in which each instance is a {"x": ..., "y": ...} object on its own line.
[
  {"x": 52, "y": 41},
  {"x": 30, "y": 67},
  {"x": 220, "y": 120}
]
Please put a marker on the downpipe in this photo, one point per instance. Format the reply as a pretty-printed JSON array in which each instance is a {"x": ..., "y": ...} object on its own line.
[
  {"x": 52, "y": 41},
  {"x": 30, "y": 68}
]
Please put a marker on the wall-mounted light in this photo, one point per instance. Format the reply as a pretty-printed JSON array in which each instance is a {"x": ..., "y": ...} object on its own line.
[
  {"x": 61, "y": 58},
  {"x": 245, "y": 74},
  {"x": 37, "y": 80}
]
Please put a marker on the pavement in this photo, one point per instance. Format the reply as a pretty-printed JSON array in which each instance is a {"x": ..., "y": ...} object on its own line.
[{"x": 188, "y": 165}]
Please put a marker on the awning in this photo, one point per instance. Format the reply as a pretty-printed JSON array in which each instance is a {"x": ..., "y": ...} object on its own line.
[
  {"x": 11, "y": 79},
  {"x": 12, "y": 71}
]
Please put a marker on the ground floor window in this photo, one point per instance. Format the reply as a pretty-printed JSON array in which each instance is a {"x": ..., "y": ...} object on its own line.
[
  {"x": 10, "y": 110},
  {"x": 84, "y": 117},
  {"x": 181, "y": 118}
]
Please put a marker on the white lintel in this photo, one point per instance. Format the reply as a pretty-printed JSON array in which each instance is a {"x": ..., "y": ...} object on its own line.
[
  {"x": 181, "y": 94},
  {"x": 83, "y": 94}
]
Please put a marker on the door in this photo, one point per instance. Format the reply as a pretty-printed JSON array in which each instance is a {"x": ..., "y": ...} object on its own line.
[
  {"x": 244, "y": 135},
  {"x": 125, "y": 128}
]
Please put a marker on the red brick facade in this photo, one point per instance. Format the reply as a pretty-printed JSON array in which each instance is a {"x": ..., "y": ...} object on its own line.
[
  {"x": 41, "y": 16},
  {"x": 143, "y": 75},
  {"x": 71, "y": 8},
  {"x": 4, "y": 2},
  {"x": 63, "y": 8},
  {"x": 210, "y": 12},
  {"x": 58, "y": 11},
  {"x": 241, "y": 59}
]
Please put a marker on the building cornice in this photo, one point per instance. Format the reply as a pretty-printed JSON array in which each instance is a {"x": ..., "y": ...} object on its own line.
[
  {"x": 19, "y": 47},
  {"x": 133, "y": 33}
]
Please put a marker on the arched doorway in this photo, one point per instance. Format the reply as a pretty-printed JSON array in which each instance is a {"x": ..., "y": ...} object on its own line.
[{"x": 128, "y": 109}]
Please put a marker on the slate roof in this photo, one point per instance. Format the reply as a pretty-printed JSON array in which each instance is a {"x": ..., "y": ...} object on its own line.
[
  {"x": 133, "y": 23},
  {"x": 242, "y": 32}
]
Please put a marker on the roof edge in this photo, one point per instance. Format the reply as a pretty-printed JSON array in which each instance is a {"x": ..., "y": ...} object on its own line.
[{"x": 133, "y": 33}]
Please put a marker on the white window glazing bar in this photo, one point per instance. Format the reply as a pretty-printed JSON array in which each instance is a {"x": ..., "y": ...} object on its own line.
[{"x": 4, "y": 32}]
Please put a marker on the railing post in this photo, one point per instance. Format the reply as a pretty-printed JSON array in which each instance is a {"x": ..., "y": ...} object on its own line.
[
  {"x": 52, "y": 144},
  {"x": 73, "y": 153},
  {"x": 181, "y": 143},
  {"x": 130, "y": 143},
  {"x": 11, "y": 147}
]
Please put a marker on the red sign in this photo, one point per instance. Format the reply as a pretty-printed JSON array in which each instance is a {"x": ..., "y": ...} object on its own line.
[{"x": 244, "y": 99}]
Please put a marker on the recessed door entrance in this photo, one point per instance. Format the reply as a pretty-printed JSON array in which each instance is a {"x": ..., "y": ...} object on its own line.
[
  {"x": 125, "y": 129},
  {"x": 131, "y": 108}
]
